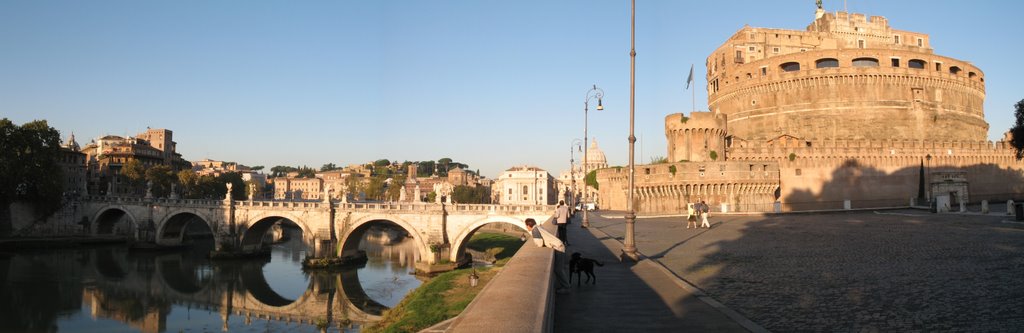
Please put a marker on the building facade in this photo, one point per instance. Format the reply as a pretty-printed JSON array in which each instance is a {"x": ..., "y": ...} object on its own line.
[
  {"x": 525, "y": 185},
  {"x": 105, "y": 156}
]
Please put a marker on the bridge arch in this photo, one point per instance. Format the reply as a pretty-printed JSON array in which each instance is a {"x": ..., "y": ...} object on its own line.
[
  {"x": 183, "y": 278},
  {"x": 171, "y": 231},
  {"x": 253, "y": 230},
  {"x": 355, "y": 233},
  {"x": 460, "y": 241},
  {"x": 107, "y": 218}
]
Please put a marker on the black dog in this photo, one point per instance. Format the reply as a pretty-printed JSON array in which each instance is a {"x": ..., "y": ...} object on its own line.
[{"x": 580, "y": 264}]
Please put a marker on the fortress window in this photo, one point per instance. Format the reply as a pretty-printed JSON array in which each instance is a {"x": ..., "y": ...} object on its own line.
[
  {"x": 896, "y": 39},
  {"x": 751, "y": 49},
  {"x": 954, "y": 70},
  {"x": 865, "y": 62},
  {"x": 971, "y": 74},
  {"x": 764, "y": 71},
  {"x": 826, "y": 63},
  {"x": 790, "y": 66},
  {"x": 916, "y": 63},
  {"x": 860, "y": 44},
  {"x": 938, "y": 67},
  {"x": 920, "y": 42},
  {"x": 775, "y": 50},
  {"x": 895, "y": 62}
]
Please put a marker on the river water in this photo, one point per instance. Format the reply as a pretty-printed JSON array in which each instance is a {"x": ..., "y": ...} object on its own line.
[{"x": 112, "y": 289}]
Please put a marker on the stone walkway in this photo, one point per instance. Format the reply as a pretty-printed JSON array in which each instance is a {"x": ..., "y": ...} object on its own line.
[
  {"x": 885, "y": 271},
  {"x": 631, "y": 297}
]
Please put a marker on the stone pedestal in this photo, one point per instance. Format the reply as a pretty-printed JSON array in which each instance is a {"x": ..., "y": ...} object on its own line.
[
  {"x": 1009, "y": 207},
  {"x": 847, "y": 205},
  {"x": 984, "y": 206}
]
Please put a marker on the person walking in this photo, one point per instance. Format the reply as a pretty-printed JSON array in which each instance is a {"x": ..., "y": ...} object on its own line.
[
  {"x": 704, "y": 215},
  {"x": 543, "y": 238},
  {"x": 691, "y": 215},
  {"x": 561, "y": 219}
]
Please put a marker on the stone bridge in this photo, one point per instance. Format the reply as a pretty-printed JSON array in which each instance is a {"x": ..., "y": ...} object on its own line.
[{"x": 440, "y": 231}]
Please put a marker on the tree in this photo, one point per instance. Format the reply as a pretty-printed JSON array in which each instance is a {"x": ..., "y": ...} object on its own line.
[
  {"x": 162, "y": 177},
  {"x": 257, "y": 168},
  {"x": 1017, "y": 131},
  {"x": 188, "y": 180},
  {"x": 135, "y": 173},
  {"x": 381, "y": 163},
  {"x": 375, "y": 189},
  {"x": 281, "y": 170},
  {"x": 425, "y": 169},
  {"x": 305, "y": 172},
  {"x": 471, "y": 194},
  {"x": 329, "y": 167},
  {"x": 29, "y": 169},
  {"x": 591, "y": 179},
  {"x": 395, "y": 187}
]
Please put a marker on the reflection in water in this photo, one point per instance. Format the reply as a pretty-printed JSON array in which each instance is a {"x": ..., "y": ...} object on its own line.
[{"x": 109, "y": 289}]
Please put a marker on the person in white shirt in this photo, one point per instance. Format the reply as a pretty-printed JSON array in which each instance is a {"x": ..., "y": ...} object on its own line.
[{"x": 561, "y": 219}]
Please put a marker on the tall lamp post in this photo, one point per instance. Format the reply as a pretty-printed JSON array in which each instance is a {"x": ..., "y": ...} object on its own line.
[
  {"x": 629, "y": 243},
  {"x": 593, "y": 93},
  {"x": 928, "y": 177},
  {"x": 572, "y": 172}
]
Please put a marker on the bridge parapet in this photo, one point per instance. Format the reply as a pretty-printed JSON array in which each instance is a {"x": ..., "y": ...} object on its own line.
[
  {"x": 280, "y": 204},
  {"x": 501, "y": 209},
  {"x": 161, "y": 201}
]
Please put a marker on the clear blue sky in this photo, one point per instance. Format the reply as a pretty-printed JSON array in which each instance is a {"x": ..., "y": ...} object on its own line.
[{"x": 488, "y": 83}]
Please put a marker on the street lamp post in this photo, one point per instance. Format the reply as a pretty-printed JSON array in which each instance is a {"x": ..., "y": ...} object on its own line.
[
  {"x": 629, "y": 245},
  {"x": 594, "y": 92},
  {"x": 572, "y": 173},
  {"x": 928, "y": 177}
]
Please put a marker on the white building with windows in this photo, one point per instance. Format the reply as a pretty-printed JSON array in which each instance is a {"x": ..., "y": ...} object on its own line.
[{"x": 525, "y": 185}]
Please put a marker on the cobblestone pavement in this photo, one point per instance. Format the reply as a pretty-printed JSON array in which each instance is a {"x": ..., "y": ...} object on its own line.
[{"x": 903, "y": 270}]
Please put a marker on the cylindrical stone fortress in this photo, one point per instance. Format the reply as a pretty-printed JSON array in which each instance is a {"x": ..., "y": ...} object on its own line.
[{"x": 846, "y": 77}]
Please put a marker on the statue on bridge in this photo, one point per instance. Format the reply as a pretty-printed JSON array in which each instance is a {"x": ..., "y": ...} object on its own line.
[{"x": 228, "y": 195}]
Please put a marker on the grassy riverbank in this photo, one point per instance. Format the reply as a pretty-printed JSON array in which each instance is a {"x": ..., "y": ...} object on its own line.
[{"x": 446, "y": 295}]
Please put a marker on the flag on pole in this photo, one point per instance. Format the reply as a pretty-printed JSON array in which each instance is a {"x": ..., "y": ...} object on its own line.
[{"x": 689, "y": 79}]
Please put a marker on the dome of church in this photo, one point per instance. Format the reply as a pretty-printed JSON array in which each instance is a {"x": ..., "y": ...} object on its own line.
[{"x": 595, "y": 157}]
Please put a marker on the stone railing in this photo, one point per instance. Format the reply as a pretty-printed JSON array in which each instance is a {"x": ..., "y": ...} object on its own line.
[{"x": 521, "y": 295}]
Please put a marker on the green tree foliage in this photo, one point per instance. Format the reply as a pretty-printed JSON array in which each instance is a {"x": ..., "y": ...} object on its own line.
[
  {"x": 425, "y": 169},
  {"x": 376, "y": 188},
  {"x": 672, "y": 169},
  {"x": 134, "y": 172},
  {"x": 257, "y": 168},
  {"x": 591, "y": 179},
  {"x": 188, "y": 180},
  {"x": 210, "y": 187},
  {"x": 471, "y": 194},
  {"x": 659, "y": 159},
  {"x": 394, "y": 189},
  {"x": 1017, "y": 131},
  {"x": 162, "y": 177},
  {"x": 792, "y": 156},
  {"x": 329, "y": 167},
  {"x": 281, "y": 170},
  {"x": 713, "y": 155},
  {"x": 381, "y": 163},
  {"x": 306, "y": 172},
  {"x": 29, "y": 169}
]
